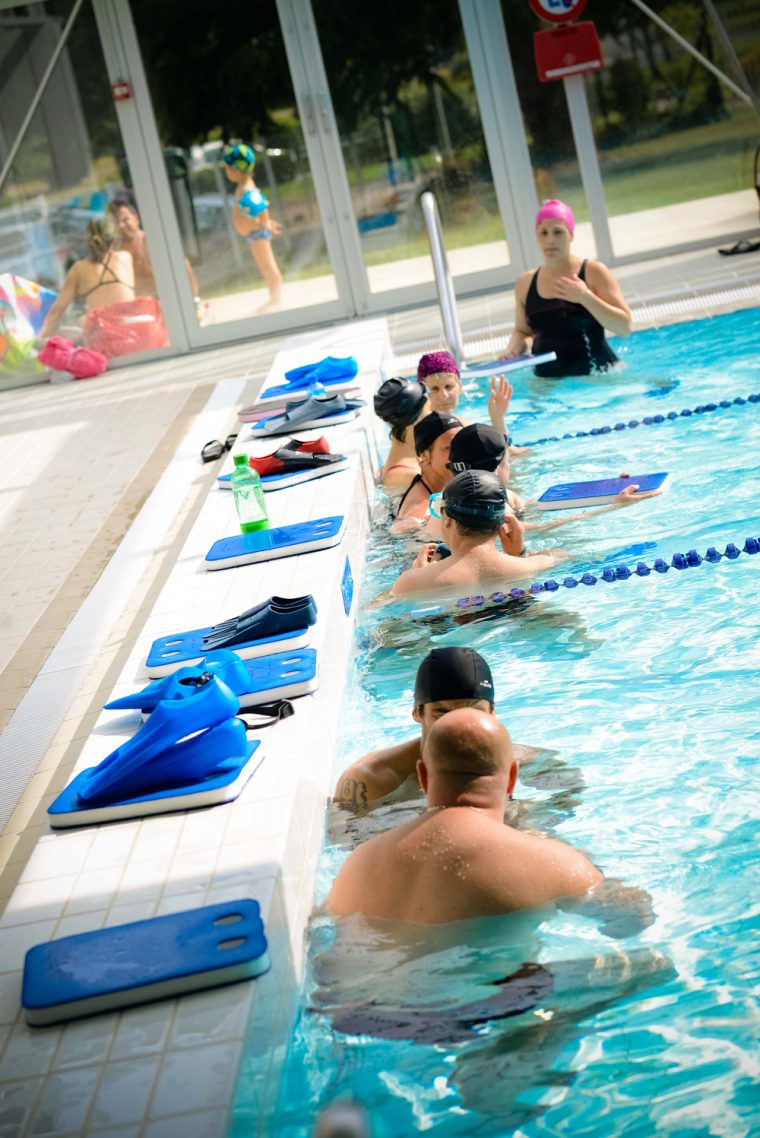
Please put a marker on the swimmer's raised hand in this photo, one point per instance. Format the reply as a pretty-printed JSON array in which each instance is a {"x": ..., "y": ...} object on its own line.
[
  {"x": 511, "y": 536},
  {"x": 425, "y": 555},
  {"x": 501, "y": 393}
]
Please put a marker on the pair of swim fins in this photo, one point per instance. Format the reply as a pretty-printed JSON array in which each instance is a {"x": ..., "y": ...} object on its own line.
[
  {"x": 315, "y": 411},
  {"x": 270, "y": 618},
  {"x": 185, "y": 741}
]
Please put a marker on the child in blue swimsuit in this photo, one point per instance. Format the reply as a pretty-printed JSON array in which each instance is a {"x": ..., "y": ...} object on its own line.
[{"x": 250, "y": 216}]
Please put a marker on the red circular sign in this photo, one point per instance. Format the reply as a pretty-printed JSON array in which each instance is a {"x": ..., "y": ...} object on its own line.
[{"x": 557, "y": 11}]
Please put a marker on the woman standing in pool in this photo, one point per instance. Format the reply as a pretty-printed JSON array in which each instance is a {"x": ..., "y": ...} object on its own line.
[
  {"x": 250, "y": 216},
  {"x": 566, "y": 304}
]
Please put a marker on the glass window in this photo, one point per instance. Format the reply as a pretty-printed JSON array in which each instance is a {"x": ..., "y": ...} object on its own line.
[
  {"x": 218, "y": 74},
  {"x": 62, "y": 269},
  {"x": 675, "y": 145},
  {"x": 409, "y": 121}
]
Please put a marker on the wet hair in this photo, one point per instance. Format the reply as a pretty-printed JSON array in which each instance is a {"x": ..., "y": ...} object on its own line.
[
  {"x": 485, "y": 527},
  {"x": 100, "y": 238}
]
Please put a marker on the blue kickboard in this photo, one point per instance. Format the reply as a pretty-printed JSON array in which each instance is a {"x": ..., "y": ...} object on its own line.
[
  {"x": 180, "y": 647},
  {"x": 476, "y": 370},
  {"x": 147, "y": 960},
  {"x": 286, "y": 669},
  {"x": 67, "y": 810},
  {"x": 601, "y": 491},
  {"x": 282, "y": 541},
  {"x": 287, "y": 478}
]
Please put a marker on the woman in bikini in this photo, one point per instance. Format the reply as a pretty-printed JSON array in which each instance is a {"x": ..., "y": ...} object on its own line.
[
  {"x": 566, "y": 304},
  {"x": 400, "y": 403},
  {"x": 105, "y": 278}
]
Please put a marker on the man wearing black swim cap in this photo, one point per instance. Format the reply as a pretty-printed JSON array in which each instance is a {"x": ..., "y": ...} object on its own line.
[
  {"x": 472, "y": 516},
  {"x": 457, "y": 860},
  {"x": 447, "y": 679}
]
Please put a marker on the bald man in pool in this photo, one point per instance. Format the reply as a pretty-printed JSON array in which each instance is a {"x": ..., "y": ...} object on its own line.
[{"x": 458, "y": 860}]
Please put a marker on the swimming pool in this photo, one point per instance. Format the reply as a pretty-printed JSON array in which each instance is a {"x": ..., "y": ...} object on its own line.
[{"x": 639, "y": 697}]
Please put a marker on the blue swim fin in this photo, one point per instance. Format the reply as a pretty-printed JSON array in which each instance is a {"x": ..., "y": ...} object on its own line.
[
  {"x": 223, "y": 663},
  {"x": 124, "y": 772}
]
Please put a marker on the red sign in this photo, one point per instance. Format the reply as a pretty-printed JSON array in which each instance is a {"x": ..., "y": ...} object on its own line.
[
  {"x": 571, "y": 50},
  {"x": 557, "y": 11},
  {"x": 121, "y": 91}
]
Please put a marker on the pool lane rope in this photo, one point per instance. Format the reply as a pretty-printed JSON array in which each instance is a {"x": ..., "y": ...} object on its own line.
[
  {"x": 618, "y": 573},
  {"x": 649, "y": 420}
]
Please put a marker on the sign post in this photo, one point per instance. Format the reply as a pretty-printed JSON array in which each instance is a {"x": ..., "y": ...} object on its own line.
[{"x": 567, "y": 51}]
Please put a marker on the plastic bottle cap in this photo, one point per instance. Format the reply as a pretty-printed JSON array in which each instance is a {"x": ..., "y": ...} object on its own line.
[{"x": 240, "y": 459}]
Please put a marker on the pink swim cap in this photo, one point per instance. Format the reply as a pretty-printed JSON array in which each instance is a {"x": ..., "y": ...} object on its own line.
[
  {"x": 436, "y": 363},
  {"x": 555, "y": 210}
]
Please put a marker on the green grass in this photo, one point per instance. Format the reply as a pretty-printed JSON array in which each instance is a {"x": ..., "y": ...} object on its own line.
[{"x": 678, "y": 167}]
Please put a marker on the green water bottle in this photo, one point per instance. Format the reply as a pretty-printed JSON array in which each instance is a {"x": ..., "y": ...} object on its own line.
[{"x": 249, "y": 496}]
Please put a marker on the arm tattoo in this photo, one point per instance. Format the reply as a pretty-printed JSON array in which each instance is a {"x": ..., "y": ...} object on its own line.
[{"x": 352, "y": 791}]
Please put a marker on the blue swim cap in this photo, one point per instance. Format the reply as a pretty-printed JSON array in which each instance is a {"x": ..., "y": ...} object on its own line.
[{"x": 240, "y": 156}]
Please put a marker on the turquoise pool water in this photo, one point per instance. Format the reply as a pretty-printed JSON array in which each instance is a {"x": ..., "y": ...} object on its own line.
[{"x": 641, "y": 697}]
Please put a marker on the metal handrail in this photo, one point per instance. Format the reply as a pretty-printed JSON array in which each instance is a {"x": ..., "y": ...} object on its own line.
[{"x": 447, "y": 301}]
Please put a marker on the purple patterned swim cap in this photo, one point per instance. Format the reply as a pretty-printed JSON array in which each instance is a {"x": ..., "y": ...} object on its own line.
[
  {"x": 555, "y": 210},
  {"x": 436, "y": 363}
]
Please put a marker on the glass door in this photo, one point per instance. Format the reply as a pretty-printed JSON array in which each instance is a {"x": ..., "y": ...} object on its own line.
[
  {"x": 407, "y": 119},
  {"x": 211, "y": 75}
]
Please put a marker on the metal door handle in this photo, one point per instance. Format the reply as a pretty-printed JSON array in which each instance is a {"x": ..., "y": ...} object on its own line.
[
  {"x": 324, "y": 111},
  {"x": 308, "y": 114}
]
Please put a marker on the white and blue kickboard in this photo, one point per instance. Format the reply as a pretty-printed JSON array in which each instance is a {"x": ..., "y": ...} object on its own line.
[
  {"x": 502, "y": 367},
  {"x": 334, "y": 420},
  {"x": 220, "y": 787},
  {"x": 270, "y": 482},
  {"x": 132, "y": 964},
  {"x": 571, "y": 495},
  {"x": 284, "y": 676},
  {"x": 282, "y": 541},
  {"x": 181, "y": 649}
]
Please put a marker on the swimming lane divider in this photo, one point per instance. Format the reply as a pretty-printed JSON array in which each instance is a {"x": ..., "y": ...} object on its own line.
[
  {"x": 648, "y": 420},
  {"x": 618, "y": 573}
]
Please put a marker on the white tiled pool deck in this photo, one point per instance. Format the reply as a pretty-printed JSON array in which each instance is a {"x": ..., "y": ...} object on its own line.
[{"x": 107, "y": 513}]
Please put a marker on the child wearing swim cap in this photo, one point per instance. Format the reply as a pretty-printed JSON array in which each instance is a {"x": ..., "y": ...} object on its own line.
[
  {"x": 250, "y": 217},
  {"x": 566, "y": 304}
]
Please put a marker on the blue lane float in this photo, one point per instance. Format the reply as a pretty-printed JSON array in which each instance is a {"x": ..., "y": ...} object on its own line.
[
  {"x": 679, "y": 561},
  {"x": 156, "y": 959},
  {"x": 649, "y": 420}
]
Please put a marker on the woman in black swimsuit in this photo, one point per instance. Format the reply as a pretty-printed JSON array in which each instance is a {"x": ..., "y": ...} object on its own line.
[{"x": 566, "y": 304}]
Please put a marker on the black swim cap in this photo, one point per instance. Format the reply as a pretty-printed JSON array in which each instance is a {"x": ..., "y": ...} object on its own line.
[
  {"x": 477, "y": 447},
  {"x": 453, "y": 673},
  {"x": 399, "y": 401},
  {"x": 475, "y": 495},
  {"x": 432, "y": 427}
]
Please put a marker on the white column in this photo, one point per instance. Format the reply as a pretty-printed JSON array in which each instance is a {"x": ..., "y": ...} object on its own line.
[{"x": 588, "y": 161}]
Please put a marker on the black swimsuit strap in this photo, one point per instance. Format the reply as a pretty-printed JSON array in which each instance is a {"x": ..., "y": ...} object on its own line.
[
  {"x": 114, "y": 279},
  {"x": 417, "y": 478}
]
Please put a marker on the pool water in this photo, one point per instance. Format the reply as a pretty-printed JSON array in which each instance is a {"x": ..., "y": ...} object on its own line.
[{"x": 642, "y": 701}]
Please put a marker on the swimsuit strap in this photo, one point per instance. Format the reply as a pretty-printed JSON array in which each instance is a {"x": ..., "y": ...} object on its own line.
[
  {"x": 417, "y": 478},
  {"x": 101, "y": 282}
]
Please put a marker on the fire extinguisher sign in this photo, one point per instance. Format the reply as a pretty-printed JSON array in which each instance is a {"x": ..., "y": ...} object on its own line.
[{"x": 557, "y": 11}]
